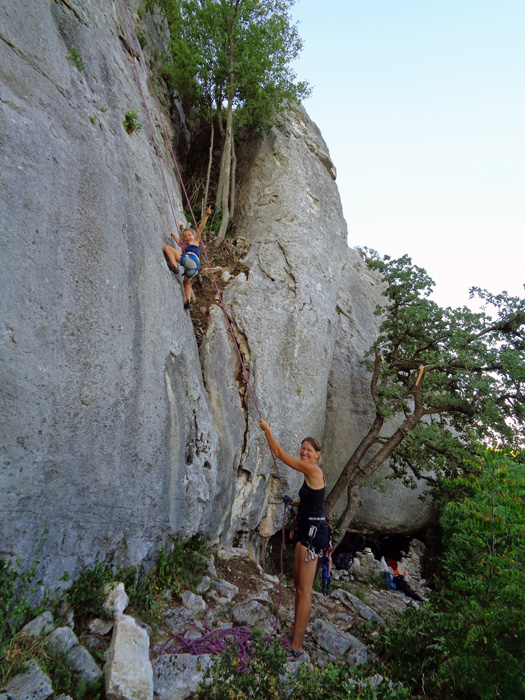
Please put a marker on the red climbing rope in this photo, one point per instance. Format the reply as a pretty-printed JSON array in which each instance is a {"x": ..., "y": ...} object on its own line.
[{"x": 137, "y": 54}]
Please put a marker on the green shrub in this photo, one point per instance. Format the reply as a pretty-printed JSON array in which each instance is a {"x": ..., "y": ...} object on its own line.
[
  {"x": 74, "y": 56},
  {"x": 338, "y": 681},
  {"x": 181, "y": 568},
  {"x": 469, "y": 641},
  {"x": 130, "y": 122},
  {"x": 224, "y": 680},
  {"x": 87, "y": 592},
  {"x": 21, "y": 594}
]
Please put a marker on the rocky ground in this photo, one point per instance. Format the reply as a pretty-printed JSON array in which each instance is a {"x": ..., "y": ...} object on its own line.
[
  {"x": 225, "y": 262},
  {"x": 139, "y": 662}
]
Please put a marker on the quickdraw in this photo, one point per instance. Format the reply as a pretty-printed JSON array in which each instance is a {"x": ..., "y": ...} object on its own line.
[{"x": 327, "y": 565}]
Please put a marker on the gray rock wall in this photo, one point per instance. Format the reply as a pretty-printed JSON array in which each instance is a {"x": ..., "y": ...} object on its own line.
[
  {"x": 115, "y": 433},
  {"x": 107, "y": 433}
]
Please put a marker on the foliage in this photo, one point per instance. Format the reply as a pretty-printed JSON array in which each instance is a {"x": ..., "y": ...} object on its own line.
[
  {"x": 19, "y": 591},
  {"x": 267, "y": 678},
  {"x": 244, "y": 47},
  {"x": 225, "y": 680},
  {"x": 23, "y": 649},
  {"x": 338, "y": 681},
  {"x": 87, "y": 592},
  {"x": 65, "y": 683},
  {"x": 231, "y": 60},
  {"x": 74, "y": 56},
  {"x": 182, "y": 567},
  {"x": 468, "y": 642},
  {"x": 450, "y": 377},
  {"x": 130, "y": 122}
]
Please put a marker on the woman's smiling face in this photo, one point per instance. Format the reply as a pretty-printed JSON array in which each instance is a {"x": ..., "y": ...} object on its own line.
[{"x": 307, "y": 453}]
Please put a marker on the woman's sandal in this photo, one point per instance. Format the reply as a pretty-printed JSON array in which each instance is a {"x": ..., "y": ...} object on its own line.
[{"x": 294, "y": 655}]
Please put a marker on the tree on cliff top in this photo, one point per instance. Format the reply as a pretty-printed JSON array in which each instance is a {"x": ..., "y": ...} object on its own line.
[
  {"x": 231, "y": 59},
  {"x": 450, "y": 377}
]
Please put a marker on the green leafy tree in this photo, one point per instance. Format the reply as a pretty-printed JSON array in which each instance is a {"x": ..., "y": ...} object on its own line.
[
  {"x": 469, "y": 641},
  {"x": 231, "y": 59},
  {"x": 449, "y": 377}
]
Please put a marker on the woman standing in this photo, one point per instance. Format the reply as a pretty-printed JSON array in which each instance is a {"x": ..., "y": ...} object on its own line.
[{"x": 312, "y": 534}]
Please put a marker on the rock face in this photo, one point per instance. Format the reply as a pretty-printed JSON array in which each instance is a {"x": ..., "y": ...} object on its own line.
[
  {"x": 107, "y": 433},
  {"x": 116, "y": 434}
]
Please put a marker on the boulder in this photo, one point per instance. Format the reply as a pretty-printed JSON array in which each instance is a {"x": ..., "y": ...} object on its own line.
[
  {"x": 34, "y": 684},
  {"x": 225, "y": 591},
  {"x": 180, "y": 619},
  {"x": 41, "y": 625},
  {"x": 117, "y": 599},
  {"x": 62, "y": 639},
  {"x": 83, "y": 665},
  {"x": 248, "y": 614},
  {"x": 329, "y": 638},
  {"x": 357, "y": 605},
  {"x": 176, "y": 677},
  {"x": 128, "y": 671},
  {"x": 194, "y": 603}
]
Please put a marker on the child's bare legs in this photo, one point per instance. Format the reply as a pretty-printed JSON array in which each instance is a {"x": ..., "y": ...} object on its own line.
[
  {"x": 187, "y": 289},
  {"x": 174, "y": 256}
]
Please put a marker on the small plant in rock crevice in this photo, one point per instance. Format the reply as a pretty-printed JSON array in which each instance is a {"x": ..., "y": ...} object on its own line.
[
  {"x": 130, "y": 122},
  {"x": 74, "y": 56}
]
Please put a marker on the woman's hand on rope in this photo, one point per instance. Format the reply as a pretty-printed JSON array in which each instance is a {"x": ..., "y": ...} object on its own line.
[{"x": 264, "y": 425}]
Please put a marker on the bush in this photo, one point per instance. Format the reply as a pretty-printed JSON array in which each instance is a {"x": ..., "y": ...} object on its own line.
[
  {"x": 19, "y": 592},
  {"x": 183, "y": 567},
  {"x": 228, "y": 678},
  {"x": 469, "y": 641},
  {"x": 87, "y": 592}
]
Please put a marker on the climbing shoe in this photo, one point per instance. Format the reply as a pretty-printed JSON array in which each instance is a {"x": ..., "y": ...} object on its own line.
[
  {"x": 293, "y": 655},
  {"x": 173, "y": 268},
  {"x": 187, "y": 305}
]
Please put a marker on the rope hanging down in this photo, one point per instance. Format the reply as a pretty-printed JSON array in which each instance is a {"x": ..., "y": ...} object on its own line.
[{"x": 138, "y": 55}]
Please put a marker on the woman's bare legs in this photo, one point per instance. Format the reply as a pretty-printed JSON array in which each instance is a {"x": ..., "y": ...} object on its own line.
[{"x": 304, "y": 574}]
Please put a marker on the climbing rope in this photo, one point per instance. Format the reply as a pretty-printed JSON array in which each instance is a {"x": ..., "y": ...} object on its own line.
[
  {"x": 213, "y": 641},
  {"x": 138, "y": 55}
]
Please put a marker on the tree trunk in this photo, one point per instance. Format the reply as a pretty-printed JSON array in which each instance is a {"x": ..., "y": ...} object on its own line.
[
  {"x": 208, "y": 172},
  {"x": 352, "y": 506},
  {"x": 232, "y": 179},
  {"x": 226, "y": 161},
  {"x": 222, "y": 169},
  {"x": 354, "y": 474},
  {"x": 225, "y": 173},
  {"x": 352, "y": 465}
]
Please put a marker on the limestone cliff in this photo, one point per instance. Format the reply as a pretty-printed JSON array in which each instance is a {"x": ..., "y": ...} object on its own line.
[{"x": 115, "y": 433}]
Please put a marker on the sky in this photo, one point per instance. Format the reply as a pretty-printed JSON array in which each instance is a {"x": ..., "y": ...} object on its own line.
[{"x": 422, "y": 106}]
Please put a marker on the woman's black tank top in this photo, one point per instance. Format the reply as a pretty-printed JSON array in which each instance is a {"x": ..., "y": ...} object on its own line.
[{"x": 311, "y": 504}]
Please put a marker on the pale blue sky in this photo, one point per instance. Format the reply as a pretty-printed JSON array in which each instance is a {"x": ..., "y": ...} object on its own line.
[{"x": 422, "y": 105}]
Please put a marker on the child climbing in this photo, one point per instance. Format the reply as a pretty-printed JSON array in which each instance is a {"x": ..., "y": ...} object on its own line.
[{"x": 190, "y": 258}]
